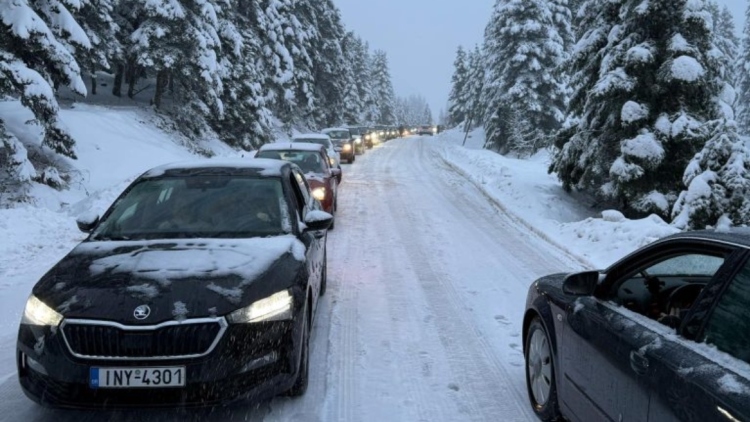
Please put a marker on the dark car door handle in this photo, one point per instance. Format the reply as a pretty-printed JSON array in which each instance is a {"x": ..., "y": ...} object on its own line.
[{"x": 639, "y": 362}]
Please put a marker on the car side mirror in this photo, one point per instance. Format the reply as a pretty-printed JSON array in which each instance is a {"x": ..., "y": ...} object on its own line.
[
  {"x": 581, "y": 284},
  {"x": 336, "y": 172},
  {"x": 317, "y": 220},
  {"x": 86, "y": 222}
]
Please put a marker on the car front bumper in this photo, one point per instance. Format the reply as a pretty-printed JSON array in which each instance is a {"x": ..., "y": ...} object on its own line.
[{"x": 250, "y": 361}]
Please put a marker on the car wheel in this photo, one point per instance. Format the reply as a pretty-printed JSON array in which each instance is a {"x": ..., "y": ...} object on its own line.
[
  {"x": 351, "y": 159},
  {"x": 303, "y": 375},
  {"x": 540, "y": 372},
  {"x": 324, "y": 276}
]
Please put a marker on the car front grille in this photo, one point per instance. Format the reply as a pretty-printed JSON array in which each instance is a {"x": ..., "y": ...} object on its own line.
[{"x": 171, "y": 340}]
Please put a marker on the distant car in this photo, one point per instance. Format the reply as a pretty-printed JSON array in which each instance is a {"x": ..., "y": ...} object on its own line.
[
  {"x": 342, "y": 135},
  {"x": 426, "y": 130},
  {"x": 362, "y": 139},
  {"x": 325, "y": 140},
  {"x": 663, "y": 334},
  {"x": 198, "y": 286},
  {"x": 313, "y": 160}
]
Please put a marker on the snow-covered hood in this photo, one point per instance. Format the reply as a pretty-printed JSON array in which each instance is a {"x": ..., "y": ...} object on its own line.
[{"x": 186, "y": 278}]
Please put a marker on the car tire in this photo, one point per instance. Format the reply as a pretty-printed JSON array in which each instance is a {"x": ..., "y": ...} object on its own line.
[
  {"x": 303, "y": 374},
  {"x": 540, "y": 372},
  {"x": 324, "y": 276}
]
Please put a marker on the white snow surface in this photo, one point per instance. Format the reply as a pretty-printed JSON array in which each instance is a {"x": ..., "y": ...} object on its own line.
[
  {"x": 434, "y": 249},
  {"x": 686, "y": 68}
]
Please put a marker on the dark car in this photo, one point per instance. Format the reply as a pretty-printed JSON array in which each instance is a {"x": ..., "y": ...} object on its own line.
[
  {"x": 346, "y": 135},
  {"x": 196, "y": 287},
  {"x": 312, "y": 159},
  {"x": 661, "y": 335},
  {"x": 362, "y": 138}
]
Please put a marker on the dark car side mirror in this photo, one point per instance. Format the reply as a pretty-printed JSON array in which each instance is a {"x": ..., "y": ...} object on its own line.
[
  {"x": 87, "y": 222},
  {"x": 581, "y": 284},
  {"x": 336, "y": 172},
  {"x": 317, "y": 220}
]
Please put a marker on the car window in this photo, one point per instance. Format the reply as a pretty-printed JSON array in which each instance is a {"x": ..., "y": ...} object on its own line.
[
  {"x": 308, "y": 161},
  {"x": 197, "y": 206},
  {"x": 728, "y": 327},
  {"x": 665, "y": 288},
  {"x": 687, "y": 265}
]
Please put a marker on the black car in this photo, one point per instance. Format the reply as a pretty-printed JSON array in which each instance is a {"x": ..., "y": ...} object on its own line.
[
  {"x": 343, "y": 136},
  {"x": 661, "y": 335},
  {"x": 361, "y": 137},
  {"x": 196, "y": 287}
]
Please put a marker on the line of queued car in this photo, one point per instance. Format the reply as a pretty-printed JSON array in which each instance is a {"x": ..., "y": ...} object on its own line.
[{"x": 198, "y": 286}]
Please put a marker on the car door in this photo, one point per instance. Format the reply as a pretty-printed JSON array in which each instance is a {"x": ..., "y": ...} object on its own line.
[
  {"x": 314, "y": 241},
  {"x": 708, "y": 379},
  {"x": 606, "y": 374}
]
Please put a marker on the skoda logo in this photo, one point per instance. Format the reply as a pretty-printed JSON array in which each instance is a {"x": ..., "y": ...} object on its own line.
[{"x": 142, "y": 312}]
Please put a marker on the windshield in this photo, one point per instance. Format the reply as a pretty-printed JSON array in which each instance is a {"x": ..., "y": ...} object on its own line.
[
  {"x": 308, "y": 161},
  {"x": 198, "y": 206},
  {"x": 339, "y": 134}
]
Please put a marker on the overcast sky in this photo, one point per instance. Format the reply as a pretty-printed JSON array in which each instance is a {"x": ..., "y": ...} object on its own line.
[{"x": 421, "y": 36}]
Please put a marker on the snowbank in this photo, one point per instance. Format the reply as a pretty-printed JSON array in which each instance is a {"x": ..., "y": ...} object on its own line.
[{"x": 536, "y": 199}]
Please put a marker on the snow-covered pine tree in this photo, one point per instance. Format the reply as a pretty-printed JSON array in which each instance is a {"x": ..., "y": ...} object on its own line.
[
  {"x": 587, "y": 141},
  {"x": 672, "y": 86},
  {"x": 364, "y": 72},
  {"x": 179, "y": 44},
  {"x": 269, "y": 21},
  {"x": 302, "y": 36},
  {"x": 742, "y": 83},
  {"x": 353, "y": 104},
  {"x": 427, "y": 115},
  {"x": 725, "y": 40},
  {"x": 32, "y": 60},
  {"x": 329, "y": 65},
  {"x": 457, "y": 110},
  {"x": 525, "y": 55},
  {"x": 246, "y": 122},
  {"x": 382, "y": 88},
  {"x": 474, "y": 88},
  {"x": 98, "y": 23},
  {"x": 718, "y": 182}
]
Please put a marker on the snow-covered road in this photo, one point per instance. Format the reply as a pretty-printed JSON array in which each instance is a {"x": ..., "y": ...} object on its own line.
[{"x": 421, "y": 322}]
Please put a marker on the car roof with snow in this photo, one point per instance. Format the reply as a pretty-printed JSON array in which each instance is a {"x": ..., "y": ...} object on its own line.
[
  {"x": 296, "y": 146},
  {"x": 331, "y": 129},
  {"x": 736, "y": 235},
  {"x": 311, "y": 136},
  {"x": 253, "y": 166}
]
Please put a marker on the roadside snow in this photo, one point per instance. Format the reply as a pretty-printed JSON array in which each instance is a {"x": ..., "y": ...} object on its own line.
[{"x": 524, "y": 188}]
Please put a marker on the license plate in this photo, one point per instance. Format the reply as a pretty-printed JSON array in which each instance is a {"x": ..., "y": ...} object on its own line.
[{"x": 140, "y": 377}]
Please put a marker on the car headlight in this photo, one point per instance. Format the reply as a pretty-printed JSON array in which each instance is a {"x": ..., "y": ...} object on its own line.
[
  {"x": 347, "y": 147},
  {"x": 276, "y": 307},
  {"x": 332, "y": 161},
  {"x": 319, "y": 193},
  {"x": 37, "y": 313},
  {"x": 367, "y": 136},
  {"x": 358, "y": 140}
]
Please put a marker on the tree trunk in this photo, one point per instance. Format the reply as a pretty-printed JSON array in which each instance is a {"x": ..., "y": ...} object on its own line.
[
  {"x": 131, "y": 76},
  {"x": 117, "y": 86},
  {"x": 93, "y": 82},
  {"x": 162, "y": 79}
]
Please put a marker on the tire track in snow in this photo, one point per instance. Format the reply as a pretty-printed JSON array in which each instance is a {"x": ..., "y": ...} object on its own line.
[{"x": 343, "y": 342}]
